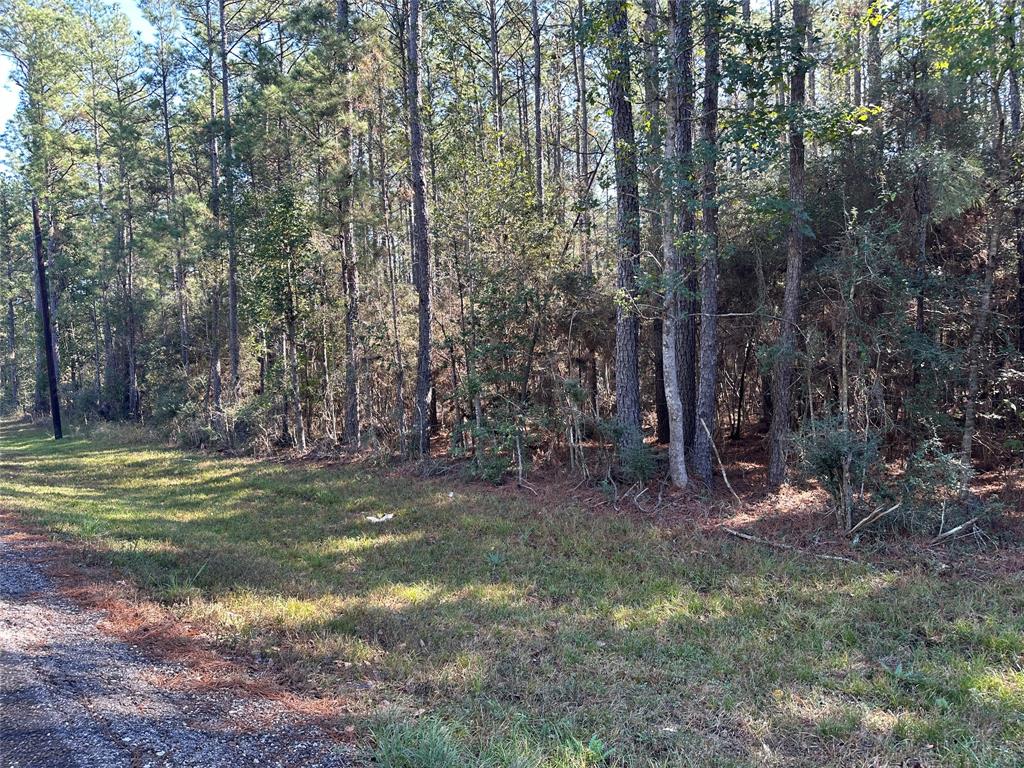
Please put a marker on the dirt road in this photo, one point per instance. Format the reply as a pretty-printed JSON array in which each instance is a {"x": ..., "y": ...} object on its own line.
[{"x": 72, "y": 696}]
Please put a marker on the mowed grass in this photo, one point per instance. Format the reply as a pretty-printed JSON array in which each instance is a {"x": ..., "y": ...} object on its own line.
[{"x": 473, "y": 629}]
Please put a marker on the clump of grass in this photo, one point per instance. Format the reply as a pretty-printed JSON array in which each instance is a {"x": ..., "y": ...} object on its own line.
[{"x": 426, "y": 743}]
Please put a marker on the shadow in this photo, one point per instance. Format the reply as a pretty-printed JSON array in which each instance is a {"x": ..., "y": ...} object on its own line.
[{"x": 474, "y": 602}]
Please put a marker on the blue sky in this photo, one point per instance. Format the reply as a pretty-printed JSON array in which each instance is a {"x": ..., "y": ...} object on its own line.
[{"x": 9, "y": 93}]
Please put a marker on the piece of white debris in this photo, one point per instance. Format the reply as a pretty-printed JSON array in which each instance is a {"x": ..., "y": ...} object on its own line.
[{"x": 380, "y": 518}]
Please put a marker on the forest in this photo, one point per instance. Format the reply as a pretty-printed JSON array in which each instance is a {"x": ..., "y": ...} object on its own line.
[
  {"x": 611, "y": 238},
  {"x": 512, "y": 383}
]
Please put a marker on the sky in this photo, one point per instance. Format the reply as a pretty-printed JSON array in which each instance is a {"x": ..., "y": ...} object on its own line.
[{"x": 8, "y": 91}]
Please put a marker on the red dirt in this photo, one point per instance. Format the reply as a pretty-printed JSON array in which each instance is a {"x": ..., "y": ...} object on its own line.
[{"x": 161, "y": 635}]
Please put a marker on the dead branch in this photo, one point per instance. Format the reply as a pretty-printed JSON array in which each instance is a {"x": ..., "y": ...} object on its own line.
[
  {"x": 878, "y": 514},
  {"x": 952, "y": 532},
  {"x": 781, "y": 545}
]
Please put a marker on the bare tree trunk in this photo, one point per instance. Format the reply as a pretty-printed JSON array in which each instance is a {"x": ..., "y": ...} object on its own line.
[
  {"x": 229, "y": 193},
  {"x": 703, "y": 442},
  {"x": 292, "y": 359},
  {"x": 973, "y": 355},
  {"x": 11, "y": 396},
  {"x": 538, "y": 146},
  {"x": 678, "y": 150},
  {"x": 172, "y": 204},
  {"x": 497, "y": 93},
  {"x": 215, "y": 386},
  {"x": 874, "y": 90},
  {"x": 585, "y": 189},
  {"x": 1015, "y": 132},
  {"x": 984, "y": 308},
  {"x": 782, "y": 377},
  {"x": 350, "y": 269},
  {"x": 420, "y": 235},
  {"x": 627, "y": 323},
  {"x": 652, "y": 174},
  {"x": 44, "y": 318}
]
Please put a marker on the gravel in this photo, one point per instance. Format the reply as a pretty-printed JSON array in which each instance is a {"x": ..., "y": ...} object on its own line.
[{"x": 73, "y": 697}]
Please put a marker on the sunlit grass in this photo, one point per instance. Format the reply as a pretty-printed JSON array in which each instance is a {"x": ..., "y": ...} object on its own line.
[{"x": 473, "y": 628}]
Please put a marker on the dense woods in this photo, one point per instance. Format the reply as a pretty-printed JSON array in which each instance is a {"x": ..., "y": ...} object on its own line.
[{"x": 525, "y": 231}]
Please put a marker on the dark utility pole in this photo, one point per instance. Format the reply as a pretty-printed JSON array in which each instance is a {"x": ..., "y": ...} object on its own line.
[{"x": 44, "y": 310}]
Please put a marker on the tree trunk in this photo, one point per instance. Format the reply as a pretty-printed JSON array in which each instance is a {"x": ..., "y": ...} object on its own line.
[
  {"x": 1013, "y": 76},
  {"x": 44, "y": 319},
  {"x": 229, "y": 193},
  {"x": 652, "y": 174},
  {"x": 627, "y": 322},
  {"x": 496, "y": 83},
  {"x": 215, "y": 382},
  {"x": 973, "y": 355},
  {"x": 173, "y": 213},
  {"x": 676, "y": 220},
  {"x": 874, "y": 90},
  {"x": 292, "y": 359},
  {"x": 420, "y": 236},
  {"x": 537, "y": 139},
  {"x": 703, "y": 442},
  {"x": 12, "y": 386},
  {"x": 350, "y": 268},
  {"x": 785, "y": 360}
]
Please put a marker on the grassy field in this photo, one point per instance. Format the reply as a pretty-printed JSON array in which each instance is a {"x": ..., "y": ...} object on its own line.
[{"x": 475, "y": 629}]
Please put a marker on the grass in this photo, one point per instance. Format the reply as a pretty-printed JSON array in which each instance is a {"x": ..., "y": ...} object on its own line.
[{"x": 476, "y": 629}]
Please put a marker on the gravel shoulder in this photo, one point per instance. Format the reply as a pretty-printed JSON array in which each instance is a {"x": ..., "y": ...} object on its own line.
[{"x": 72, "y": 695}]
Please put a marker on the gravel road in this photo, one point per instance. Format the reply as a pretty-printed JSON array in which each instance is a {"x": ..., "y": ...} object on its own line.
[{"x": 74, "y": 697}]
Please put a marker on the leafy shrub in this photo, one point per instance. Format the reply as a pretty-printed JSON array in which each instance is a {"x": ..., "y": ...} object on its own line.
[
  {"x": 833, "y": 454},
  {"x": 634, "y": 463},
  {"x": 930, "y": 488}
]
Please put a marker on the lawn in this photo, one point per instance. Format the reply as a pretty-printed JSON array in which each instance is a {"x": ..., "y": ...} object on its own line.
[{"x": 478, "y": 628}]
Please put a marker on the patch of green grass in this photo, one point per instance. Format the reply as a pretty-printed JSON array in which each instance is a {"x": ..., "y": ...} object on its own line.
[{"x": 496, "y": 632}]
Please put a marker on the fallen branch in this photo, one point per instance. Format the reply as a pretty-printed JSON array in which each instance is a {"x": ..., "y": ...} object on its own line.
[
  {"x": 876, "y": 515},
  {"x": 780, "y": 545},
  {"x": 952, "y": 532},
  {"x": 721, "y": 466}
]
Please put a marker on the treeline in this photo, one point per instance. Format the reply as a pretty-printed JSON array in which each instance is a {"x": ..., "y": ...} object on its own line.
[{"x": 515, "y": 228}]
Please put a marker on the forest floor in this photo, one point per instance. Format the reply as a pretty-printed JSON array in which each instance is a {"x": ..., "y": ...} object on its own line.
[{"x": 436, "y": 623}]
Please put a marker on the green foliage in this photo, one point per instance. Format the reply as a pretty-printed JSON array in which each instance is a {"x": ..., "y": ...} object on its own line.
[
  {"x": 426, "y": 743},
  {"x": 835, "y": 455}
]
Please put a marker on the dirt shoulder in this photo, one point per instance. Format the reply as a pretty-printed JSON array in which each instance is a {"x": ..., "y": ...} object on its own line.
[{"x": 90, "y": 676}]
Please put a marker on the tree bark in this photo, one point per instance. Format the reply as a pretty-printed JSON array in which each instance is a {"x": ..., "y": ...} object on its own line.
[
  {"x": 538, "y": 149},
  {"x": 229, "y": 194},
  {"x": 677, "y": 223},
  {"x": 215, "y": 381},
  {"x": 172, "y": 204},
  {"x": 420, "y": 235},
  {"x": 778, "y": 436},
  {"x": 703, "y": 442},
  {"x": 346, "y": 199},
  {"x": 973, "y": 361},
  {"x": 45, "y": 321},
  {"x": 627, "y": 322},
  {"x": 11, "y": 382},
  {"x": 652, "y": 174}
]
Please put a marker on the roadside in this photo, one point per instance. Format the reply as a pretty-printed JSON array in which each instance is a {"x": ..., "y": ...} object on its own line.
[
  {"x": 462, "y": 625},
  {"x": 74, "y": 695}
]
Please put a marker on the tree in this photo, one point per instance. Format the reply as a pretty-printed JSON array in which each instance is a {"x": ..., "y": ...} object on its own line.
[
  {"x": 678, "y": 224},
  {"x": 706, "y": 399},
  {"x": 420, "y": 234},
  {"x": 782, "y": 373},
  {"x": 627, "y": 323},
  {"x": 45, "y": 322}
]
